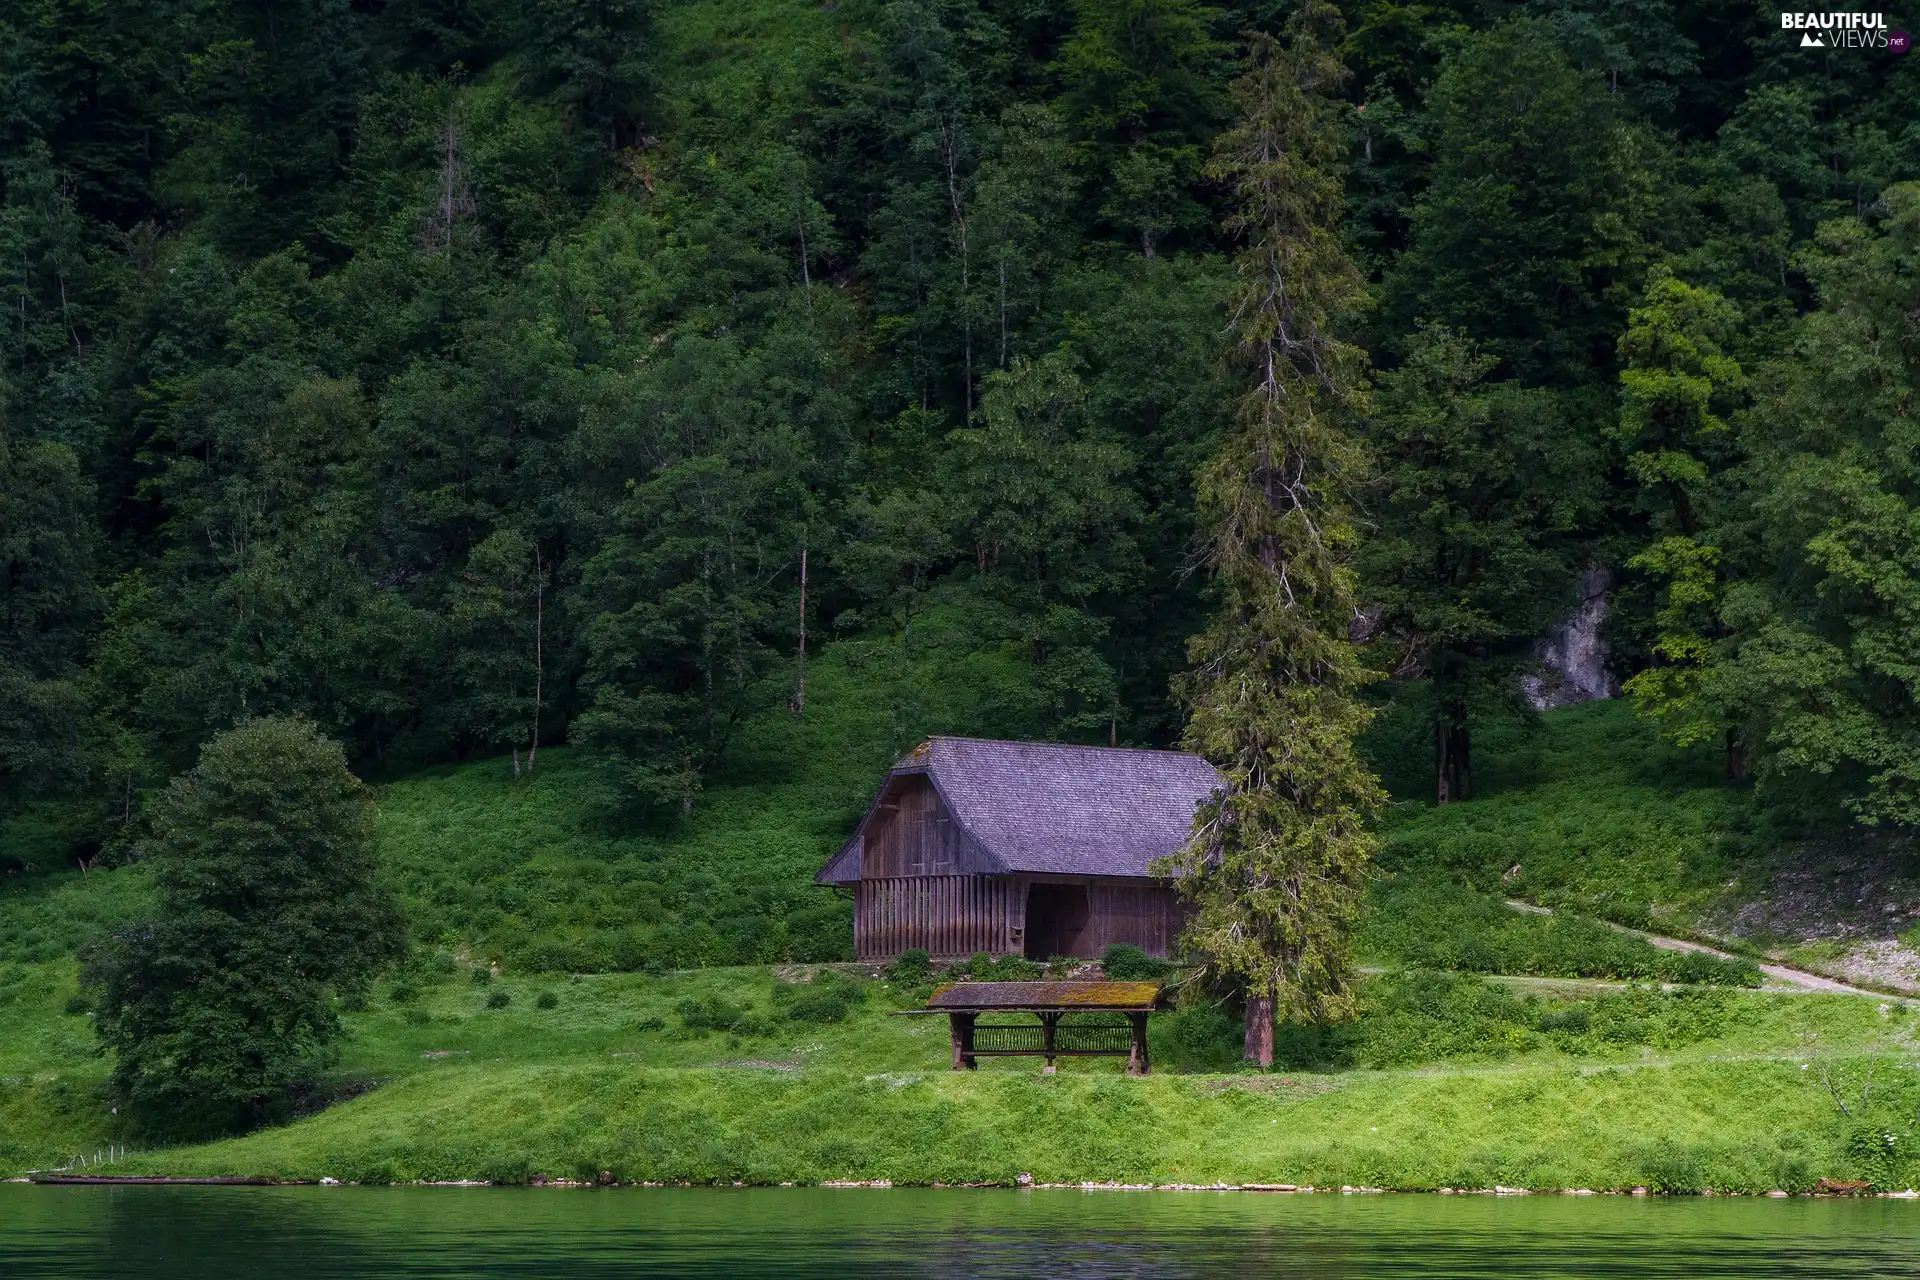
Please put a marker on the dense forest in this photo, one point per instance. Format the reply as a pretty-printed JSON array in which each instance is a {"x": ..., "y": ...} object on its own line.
[{"x": 465, "y": 376}]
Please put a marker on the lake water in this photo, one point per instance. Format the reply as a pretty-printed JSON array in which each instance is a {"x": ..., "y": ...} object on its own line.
[{"x": 315, "y": 1233}]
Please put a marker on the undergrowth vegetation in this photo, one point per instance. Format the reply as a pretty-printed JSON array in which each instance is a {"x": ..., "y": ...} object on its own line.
[{"x": 1439, "y": 924}]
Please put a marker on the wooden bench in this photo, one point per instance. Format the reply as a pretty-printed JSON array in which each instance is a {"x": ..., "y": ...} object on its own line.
[{"x": 1120, "y": 1033}]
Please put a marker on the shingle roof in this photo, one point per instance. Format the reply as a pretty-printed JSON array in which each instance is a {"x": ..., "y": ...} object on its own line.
[{"x": 1052, "y": 809}]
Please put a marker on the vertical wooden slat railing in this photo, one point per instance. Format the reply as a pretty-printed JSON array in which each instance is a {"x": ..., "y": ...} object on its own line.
[{"x": 947, "y": 915}]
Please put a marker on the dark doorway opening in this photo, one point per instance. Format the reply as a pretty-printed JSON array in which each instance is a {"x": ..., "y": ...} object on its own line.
[{"x": 1056, "y": 917}]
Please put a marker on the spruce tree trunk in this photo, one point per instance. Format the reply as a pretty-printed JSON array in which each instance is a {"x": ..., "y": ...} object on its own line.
[{"x": 1259, "y": 1041}]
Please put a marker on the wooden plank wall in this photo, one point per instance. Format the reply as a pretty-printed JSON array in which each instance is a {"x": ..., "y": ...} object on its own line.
[
  {"x": 915, "y": 836},
  {"x": 1148, "y": 916},
  {"x": 947, "y": 915}
]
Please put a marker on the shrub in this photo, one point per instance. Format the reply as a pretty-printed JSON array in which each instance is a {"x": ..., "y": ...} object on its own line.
[
  {"x": 913, "y": 967},
  {"x": 651, "y": 1022},
  {"x": 403, "y": 993},
  {"x": 546, "y": 1000},
  {"x": 1124, "y": 962},
  {"x": 819, "y": 1006},
  {"x": 710, "y": 1013},
  {"x": 985, "y": 968},
  {"x": 222, "y": 1001},
  {"x": 1203, "y": 1037},
  {"x": 498, "y": 998},
  {"x": 78, "y": 1004},
  {"x": 828, "y": 998},
  {"x": 1674, "y": 1169},
  {"x": 482, "y": 976}
]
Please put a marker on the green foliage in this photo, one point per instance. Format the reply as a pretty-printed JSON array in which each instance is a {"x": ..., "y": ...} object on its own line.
[
  {"x": 700, "y": 1015},
  {"x": 1434, "y": 925},
  {"x": 47, "y": 603},
  {"x": 982, "y": 967},
  {"x": 1422, "y": 1017},
  {"x": 910, "y": 967},
  {"x": 829, "y": 997},
  {"x": 499, "y": 998},
  {"x": 546, "y": 1000},
  {"x": 1124, "y": 962},
  {"x": 1589, "y": 811},
  {"x": 1538, "y": 210},
  {"x": 265, "y": 877},
  {"x": 1484, "y": 490}
]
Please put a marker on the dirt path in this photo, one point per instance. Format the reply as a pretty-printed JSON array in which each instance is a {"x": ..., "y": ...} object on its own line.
[{"x": 1783, "y": 975}]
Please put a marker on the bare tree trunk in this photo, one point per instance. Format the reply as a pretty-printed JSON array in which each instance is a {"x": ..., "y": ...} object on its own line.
[
  {"x": 1259, "y": 1041},
  {"x": 950, "y": 147},
  {"x": 806, "y": 277},
  {"x": 539, "y": 649},
  {"x": 800, "y": 689},
  {"x": 1442, "y": 774},
  {"x": 1003, "y": 309}
]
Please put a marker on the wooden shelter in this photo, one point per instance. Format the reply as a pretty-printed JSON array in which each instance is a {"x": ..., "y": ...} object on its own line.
[
  {"x": 1020, "y": 848},
  {"x": 1088, "y": 1036}
]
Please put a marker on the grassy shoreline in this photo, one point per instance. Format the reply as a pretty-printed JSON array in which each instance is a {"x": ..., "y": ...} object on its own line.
[{"x": 608, "y": 1082}]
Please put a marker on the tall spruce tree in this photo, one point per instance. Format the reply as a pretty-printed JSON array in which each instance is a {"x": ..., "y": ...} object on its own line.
[{"x": 1275, "y": 864}]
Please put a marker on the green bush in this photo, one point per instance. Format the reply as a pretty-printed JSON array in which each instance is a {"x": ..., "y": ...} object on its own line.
[
  {"x": 1124, "y": 962},
  {"x": 482, "y": 976},
  {"x": 913, "y": 967},
  {"x": 711, "y": 1013},
  {"x": 78, "y": 1004},
  {"x": 1201, "y": 1037},
  {"x": 651, "y": 1022},
  {"x": 546, "y": 1000},
  {"x": 982, "y": 967},
  {"x": 819, "y": 1006},
  {"x": 403, "y": 993},
  {"x": 830, "y": 997},
  {"x": 498, "y": 998}
]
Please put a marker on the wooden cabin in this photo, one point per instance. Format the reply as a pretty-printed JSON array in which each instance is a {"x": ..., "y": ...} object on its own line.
[{"x": 1025, "y": 848}]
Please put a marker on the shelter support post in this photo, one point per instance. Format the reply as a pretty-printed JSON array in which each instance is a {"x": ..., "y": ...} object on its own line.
[
  {"x": 961, "y": 1026},
  {"x": 1137, "y": 1063},
  {"x": 1048, "y": 1023}
]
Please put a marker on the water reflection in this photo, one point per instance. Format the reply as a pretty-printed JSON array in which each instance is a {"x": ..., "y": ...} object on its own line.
[{"x": 318, "y": 1233}]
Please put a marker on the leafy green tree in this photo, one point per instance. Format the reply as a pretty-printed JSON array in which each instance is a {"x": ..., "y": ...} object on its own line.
[
  {"x": 1277, "y": 860},
  {"x": 1040, "y": 498},
  {"x": 1679, "y": 388},
  {"x": 498, "y": 621},
  {"x": 694, "y": 589},
  {"x": 1535, "y": 216},
  {"x": 269, "y": 905},
  {"x": 1143, "y": 83},
  {"x": 1786, "y": 624},
  {"x": 48, "y": 607},
  {"x": 1680, "y": 394},
  {"x": 1483, "y": 492}
]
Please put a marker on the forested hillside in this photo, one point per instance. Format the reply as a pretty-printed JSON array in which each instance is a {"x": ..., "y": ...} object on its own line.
[{"x": 474, "y": 377}]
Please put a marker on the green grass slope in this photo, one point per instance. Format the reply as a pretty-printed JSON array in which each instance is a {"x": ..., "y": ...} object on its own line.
[
  {"x": 1589, "y": 1087},
  {"x": 1446, "y": 1079}
]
